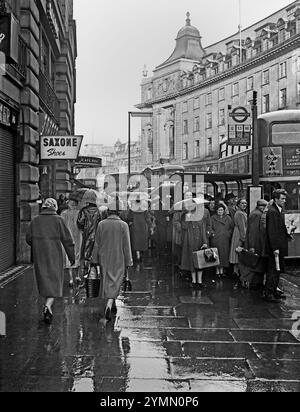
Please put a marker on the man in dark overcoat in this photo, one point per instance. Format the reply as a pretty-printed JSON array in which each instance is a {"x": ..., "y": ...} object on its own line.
[{"x": 277, "y": 238}]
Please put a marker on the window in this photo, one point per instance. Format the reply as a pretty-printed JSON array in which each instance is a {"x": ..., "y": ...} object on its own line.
[
  {"x": 209, "y": 120},
  {"x": 298, "y": 92},
  {"x": 209, "y": 146},
  {"x": 235, "y": 89},
  {"x": 197, "y": 149},
  {"x": 185, "y": 127},
  {"x": 282, "y": 98},
  {"x": 285, "y": 134},
  {"x": 282, "y": 70},
  {"x": 223, "y": 150},
  {"x": 197, "y": 124},
  {"x": 266, "y": 103},
  {"x": 208, "y": 99},
  {"x": 197, "y": 103},
  {"x": 149, "y": 93},
  {"x": 172, "y": 141},
  {"x": 250, "y": 83},
  {"x": 185, "y": 151},
  {"x": 184, "y": 107},
  {"x": 281, "y": 35},
  {"x": 222, "y": 117},
  {"x": 222, "y": 94},
  {"x": 266, "y": 77}
]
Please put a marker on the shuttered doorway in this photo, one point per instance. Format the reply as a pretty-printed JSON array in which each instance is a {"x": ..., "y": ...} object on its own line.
[{"x": 7, "y": 200}]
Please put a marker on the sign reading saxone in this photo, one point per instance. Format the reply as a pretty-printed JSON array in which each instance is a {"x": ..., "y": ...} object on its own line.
[{"x": 60, "y": 147}]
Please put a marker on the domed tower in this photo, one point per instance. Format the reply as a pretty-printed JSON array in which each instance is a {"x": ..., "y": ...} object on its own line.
[{"x": 188, "y": 44}]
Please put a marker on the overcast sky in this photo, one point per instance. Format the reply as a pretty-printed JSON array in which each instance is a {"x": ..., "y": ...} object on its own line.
[{"x": 117, "y": 38}]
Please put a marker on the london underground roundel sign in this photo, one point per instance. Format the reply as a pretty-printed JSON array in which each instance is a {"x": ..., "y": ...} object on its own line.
[{"x": 240, "y": 114}]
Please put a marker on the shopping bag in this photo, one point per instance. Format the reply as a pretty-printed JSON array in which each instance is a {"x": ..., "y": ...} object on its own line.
[
  {"x": 93, "y": 282},
  {"x": 208, "y": 258},
  {"x": 249, "y": 259}
]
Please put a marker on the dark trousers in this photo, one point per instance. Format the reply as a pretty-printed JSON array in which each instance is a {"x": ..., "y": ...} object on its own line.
[{"x": 273, "y": 276}]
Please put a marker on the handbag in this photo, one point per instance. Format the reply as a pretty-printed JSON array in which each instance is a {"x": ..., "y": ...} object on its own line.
[
  {"x": 93, "y": 282},
  {"x": 208, "y": 258},
  {"x": 249, "y": 259}
]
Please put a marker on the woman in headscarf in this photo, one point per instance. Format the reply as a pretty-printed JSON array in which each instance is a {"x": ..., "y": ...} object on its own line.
[
  {"x": 112, "y": 252},
  {"x": 222, "y": 229},
  {"x": 46, "y": 235}
]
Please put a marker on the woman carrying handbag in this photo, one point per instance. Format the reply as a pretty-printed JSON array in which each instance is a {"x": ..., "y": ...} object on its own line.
[{"x": 112, "y": 252}]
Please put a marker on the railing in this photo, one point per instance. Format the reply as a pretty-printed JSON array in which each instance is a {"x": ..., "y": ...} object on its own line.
[
  {"x": 21, "y": 66},
  {"x": 48, "y": 97}
]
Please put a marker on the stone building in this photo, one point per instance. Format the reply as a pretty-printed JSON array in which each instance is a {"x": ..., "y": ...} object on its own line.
[
  {"x": 190, "y": 92},
  {"x": 37, "y": 96}
]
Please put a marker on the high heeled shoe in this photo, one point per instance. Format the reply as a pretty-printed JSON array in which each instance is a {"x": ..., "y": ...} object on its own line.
[
  {"x": 114, "y": 309},
  {"x": 48, "y": 317},
  {"x": 108, "y": 314}
]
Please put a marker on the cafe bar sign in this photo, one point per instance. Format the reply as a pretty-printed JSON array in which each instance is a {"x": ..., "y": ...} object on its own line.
[{"x": 60, "y": 147}]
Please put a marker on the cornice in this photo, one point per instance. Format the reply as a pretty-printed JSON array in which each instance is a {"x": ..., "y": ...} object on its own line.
[{"x": 254, "y": 62}]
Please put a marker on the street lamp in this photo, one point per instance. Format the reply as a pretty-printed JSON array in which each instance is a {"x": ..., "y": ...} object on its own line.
[{"x": 137, "y": 115}]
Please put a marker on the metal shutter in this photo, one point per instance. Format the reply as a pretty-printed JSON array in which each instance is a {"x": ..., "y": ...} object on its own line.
[{"x": 7, "y": 200}]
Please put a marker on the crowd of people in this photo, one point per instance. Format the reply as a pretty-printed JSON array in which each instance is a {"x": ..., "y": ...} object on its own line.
[{"x": 111, "y": 237}]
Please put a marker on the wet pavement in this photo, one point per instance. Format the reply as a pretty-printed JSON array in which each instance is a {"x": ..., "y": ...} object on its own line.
[{"x": 166, "y": 337}]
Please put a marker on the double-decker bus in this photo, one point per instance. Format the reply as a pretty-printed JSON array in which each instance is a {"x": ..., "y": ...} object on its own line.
[{"x": 279, "y": 140}]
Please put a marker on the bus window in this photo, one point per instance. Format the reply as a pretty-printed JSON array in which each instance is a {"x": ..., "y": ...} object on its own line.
[{"x": 293, "y": 197}]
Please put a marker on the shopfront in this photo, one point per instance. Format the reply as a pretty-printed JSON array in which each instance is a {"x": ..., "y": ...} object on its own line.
[{"x": 8, "y": 134}]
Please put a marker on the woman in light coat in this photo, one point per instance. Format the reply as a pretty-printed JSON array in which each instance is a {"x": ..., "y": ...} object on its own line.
[
  {"x": 70, "y": 218},
  {"x": 48, "y": 235},
  {"x": 239, "y": 233},
  {"x": 112, "y": 252}
]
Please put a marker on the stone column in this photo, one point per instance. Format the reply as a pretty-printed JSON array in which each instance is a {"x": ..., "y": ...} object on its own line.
[{"x": 28, "y": 169}]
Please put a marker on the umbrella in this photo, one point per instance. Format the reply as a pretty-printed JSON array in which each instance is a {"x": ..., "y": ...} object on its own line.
[
  {"x": 85, "y": 196},
  {"x": 189, "y": 205}
]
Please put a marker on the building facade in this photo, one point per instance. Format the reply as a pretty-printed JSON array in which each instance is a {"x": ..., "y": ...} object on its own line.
[
  {"x": 190, "y": 93},
  {"x": 37, "y": 96}
]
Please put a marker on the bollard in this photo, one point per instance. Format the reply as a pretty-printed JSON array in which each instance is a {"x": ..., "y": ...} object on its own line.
[{"x": 2, "y": 324}]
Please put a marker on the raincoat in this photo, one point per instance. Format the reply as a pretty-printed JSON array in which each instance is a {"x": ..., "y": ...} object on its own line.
[
  {"x": 88, "y": 220},
  {"x": 222, "y": 229},
  {"x": 47, "y": 235},
  {"x": 112, "y": 252}
]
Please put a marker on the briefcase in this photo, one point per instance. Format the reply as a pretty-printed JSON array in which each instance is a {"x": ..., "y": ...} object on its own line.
[
  {"x": 204, "y": 259},
  {"x": 249, "y": 259}
]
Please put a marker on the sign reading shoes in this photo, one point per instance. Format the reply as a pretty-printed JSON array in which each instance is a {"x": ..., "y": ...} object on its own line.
[{"x": 60, "y": 147}]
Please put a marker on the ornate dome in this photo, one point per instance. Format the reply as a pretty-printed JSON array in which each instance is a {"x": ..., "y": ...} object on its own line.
[
  {"x": 188, "y": 29},
  {"x": 188, "y": 44}
]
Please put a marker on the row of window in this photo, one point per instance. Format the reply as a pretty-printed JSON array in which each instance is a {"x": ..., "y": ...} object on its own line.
[
  {"x": 225, "y": 150},
  {"x": 222, "y": 120},
  {"x": 236, "y": 87}
]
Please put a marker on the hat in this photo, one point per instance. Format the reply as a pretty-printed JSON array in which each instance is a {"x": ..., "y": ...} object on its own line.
[
  {"x": 50, "y": 204},
  {"x": 90, "y": 196},
  {"x": 262, "y": 202},
  {"x": 231, "y": 196}
]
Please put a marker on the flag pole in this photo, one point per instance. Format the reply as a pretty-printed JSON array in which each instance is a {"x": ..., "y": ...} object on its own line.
[{"x": 240, "y": 30}]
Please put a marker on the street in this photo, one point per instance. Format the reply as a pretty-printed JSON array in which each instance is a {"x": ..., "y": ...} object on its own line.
[{"x": 166, "y": 337}]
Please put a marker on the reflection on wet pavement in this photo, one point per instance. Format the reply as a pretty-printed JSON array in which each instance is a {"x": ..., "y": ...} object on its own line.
[{"x": 165, "y": 337}]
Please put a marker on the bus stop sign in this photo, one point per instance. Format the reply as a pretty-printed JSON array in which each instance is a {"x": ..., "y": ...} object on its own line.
[{"x": 239, "y": 127}]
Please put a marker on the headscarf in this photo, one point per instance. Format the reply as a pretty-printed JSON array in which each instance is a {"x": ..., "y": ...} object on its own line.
[{"x": 50, "y": 204}]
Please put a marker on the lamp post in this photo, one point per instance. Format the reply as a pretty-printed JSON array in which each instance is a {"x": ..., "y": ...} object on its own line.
[{"x": 134, "y": 115}]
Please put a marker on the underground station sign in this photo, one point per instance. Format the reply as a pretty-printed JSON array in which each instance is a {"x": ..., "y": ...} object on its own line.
[
  {"x": 60, "y": 147},
  {"x": 239, "y": 126}
]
